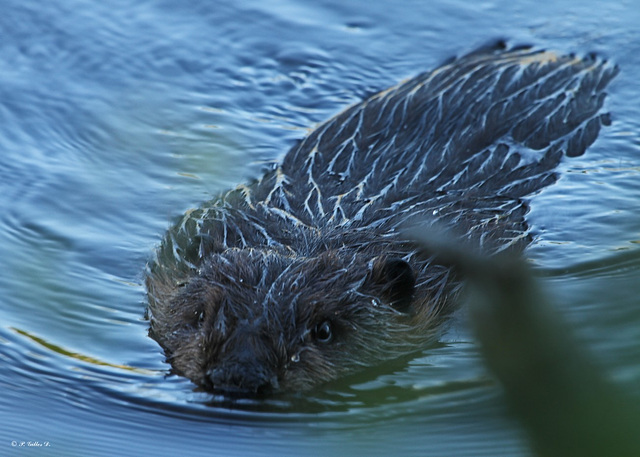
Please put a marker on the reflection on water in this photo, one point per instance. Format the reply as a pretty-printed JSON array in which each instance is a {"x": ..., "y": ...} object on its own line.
[
  {"x": 119, "y": 117},
  {"x": 77, "y": 356}
]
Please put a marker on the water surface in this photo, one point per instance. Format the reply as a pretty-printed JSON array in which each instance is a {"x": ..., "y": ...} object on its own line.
[{"x": 119, "y": 116}]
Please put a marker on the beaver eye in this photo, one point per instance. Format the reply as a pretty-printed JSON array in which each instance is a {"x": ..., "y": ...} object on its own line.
[{"x": 323, "y": 333}]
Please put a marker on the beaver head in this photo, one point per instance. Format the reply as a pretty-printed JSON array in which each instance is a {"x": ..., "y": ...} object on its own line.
[{"x": 254, "y": 321}]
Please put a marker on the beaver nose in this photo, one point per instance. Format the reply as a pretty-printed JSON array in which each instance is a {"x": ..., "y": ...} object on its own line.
[
  {"x": 243, "y": 379},
  {"x": 246, "y": 368}
]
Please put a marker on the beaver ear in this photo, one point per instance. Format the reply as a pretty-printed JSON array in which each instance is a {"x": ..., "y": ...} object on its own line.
[{"x": 398, "y": 282}]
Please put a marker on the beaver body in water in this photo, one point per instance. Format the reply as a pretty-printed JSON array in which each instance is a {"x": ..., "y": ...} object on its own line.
[{"x": 304, "y": 275}]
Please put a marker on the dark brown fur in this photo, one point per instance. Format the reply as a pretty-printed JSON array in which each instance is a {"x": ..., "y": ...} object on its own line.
[{"x": 303, "y": 276}]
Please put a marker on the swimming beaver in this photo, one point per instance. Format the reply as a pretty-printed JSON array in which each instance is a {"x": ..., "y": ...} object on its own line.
[{"x": 304, "y": 276}]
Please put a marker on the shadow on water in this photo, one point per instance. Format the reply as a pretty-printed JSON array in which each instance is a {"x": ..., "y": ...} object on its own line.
[{"x": 616, "y": 263}]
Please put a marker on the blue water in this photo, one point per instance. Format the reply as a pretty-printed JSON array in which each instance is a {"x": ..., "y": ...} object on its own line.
[{"x": 116, "y": 117}]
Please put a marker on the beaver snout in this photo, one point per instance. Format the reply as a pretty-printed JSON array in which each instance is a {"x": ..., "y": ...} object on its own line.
[
  {"x": 243, "y": 380},
  {"x": 246, "y": 367}
]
